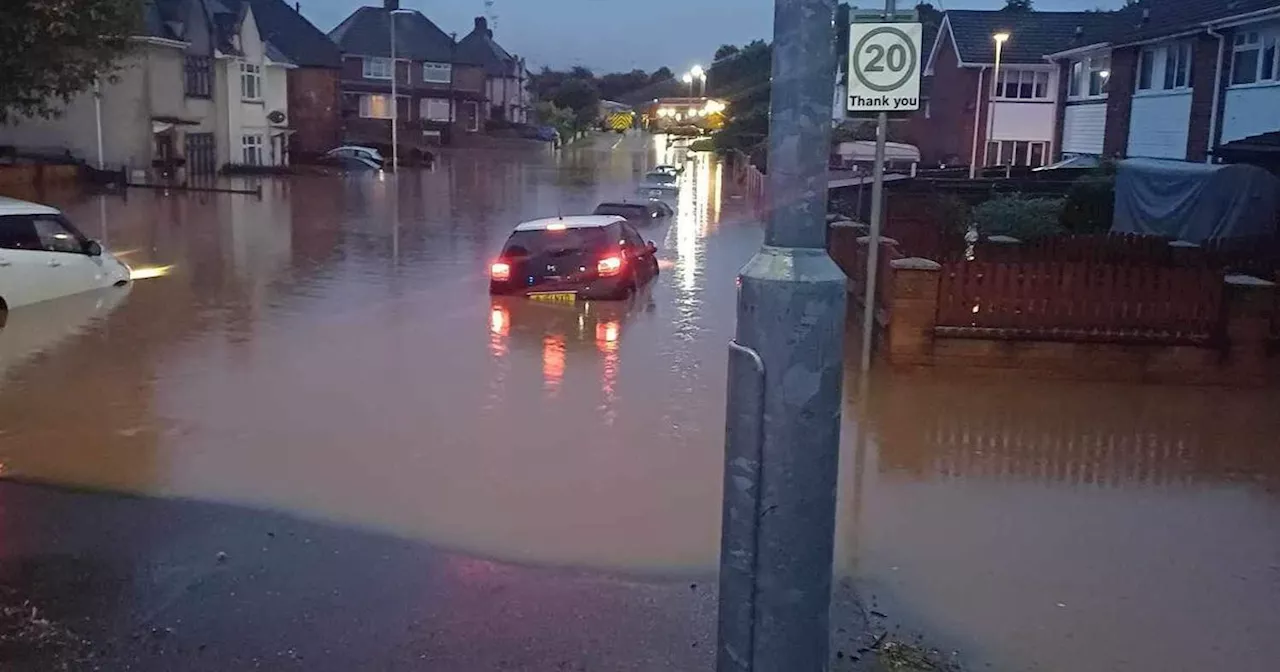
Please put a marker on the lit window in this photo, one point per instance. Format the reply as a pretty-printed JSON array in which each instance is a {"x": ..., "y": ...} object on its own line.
[
  {"x": 252, "y": 149},
  {"x": 1099, "y": 75},
  {"x": 377, "y": 68},
  {"x": 250, "y": 81},
  {"x": 374, "y": 106},
  {"x": 437, "y": 73}
]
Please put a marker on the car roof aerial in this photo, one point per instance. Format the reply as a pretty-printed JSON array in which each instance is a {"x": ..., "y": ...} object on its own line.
[{"x": 571, "y": 222}]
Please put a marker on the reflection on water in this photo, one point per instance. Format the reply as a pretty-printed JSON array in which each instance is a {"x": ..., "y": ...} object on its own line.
[{"x": 332, "y": 351}]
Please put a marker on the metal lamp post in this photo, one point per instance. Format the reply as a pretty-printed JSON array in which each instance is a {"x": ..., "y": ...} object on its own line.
[
  {"x": 701, "y": 76},
  {"x": 1000, "y": 39},
  {"x": 785, "y": 370},
  {"x": 395, "y": 102},
  {"x": 688, "y": 79}
]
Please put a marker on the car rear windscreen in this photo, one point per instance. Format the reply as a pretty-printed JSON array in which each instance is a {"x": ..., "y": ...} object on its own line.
[
  {"x": 530, "y": 243},
  {"x": 623, "y": 210}
]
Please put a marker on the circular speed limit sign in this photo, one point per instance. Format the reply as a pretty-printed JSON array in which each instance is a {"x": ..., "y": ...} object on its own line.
[{"x": 884, "y": 66}]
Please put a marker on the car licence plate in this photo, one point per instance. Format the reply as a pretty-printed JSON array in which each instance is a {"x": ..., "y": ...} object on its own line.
[{"x": 555, "y": 297}]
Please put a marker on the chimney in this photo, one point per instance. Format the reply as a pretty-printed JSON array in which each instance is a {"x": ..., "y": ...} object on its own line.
[
  {"x": 297, "y": 7},
  {"x": 391, "y": 5},
  {"x": 482, "y": 26}
]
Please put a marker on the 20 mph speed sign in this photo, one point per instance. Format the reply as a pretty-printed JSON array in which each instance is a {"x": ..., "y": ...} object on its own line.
[{"x": 884, "y": 67}]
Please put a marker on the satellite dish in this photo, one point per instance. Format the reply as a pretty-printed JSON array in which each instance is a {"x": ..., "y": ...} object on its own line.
[{"x": 276, "y": 117}]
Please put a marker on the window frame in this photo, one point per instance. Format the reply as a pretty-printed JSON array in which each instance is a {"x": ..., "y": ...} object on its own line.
[
  {"x": 1007, "y": 153},
  {"x": 366, "y": 106},
  {"x": 1023, "y": 80},
  {"x": 431, "y": 66},
  {"x": 367, "y": 70},
  {"x": 251, "y": 149},
  {"x": 197, "y": 76},
  {"x": 1081, "y": 73},
  {"x": 1264, "y": 41},
  {"x": 250, "y": 82},
  {"x": 425, "y": 105}
]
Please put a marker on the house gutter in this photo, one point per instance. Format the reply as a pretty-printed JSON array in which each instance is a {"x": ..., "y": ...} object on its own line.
[
  {"x": 1211, "y": 143},
  {"x": 977, "y": 111}
]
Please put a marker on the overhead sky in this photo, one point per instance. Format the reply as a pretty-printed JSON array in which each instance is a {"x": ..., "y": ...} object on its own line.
[{"x": 612, "y": 35}]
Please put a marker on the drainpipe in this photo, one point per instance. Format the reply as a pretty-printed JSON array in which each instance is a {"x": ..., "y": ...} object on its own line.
[
  {"x": 1210, "y": 145},
  {"x": 977, "y": 112}
]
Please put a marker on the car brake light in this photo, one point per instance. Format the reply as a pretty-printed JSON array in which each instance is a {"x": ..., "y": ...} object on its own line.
[
  {"x": 500, "y": 271},
  {"x": 609, "y": 265}
]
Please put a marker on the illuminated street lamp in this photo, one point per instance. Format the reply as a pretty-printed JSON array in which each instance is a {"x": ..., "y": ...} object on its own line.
[
  {"x": 700, "y": 75},
  {"x": 688, "y": 79},
  {"x": 1000, "y": 38}
]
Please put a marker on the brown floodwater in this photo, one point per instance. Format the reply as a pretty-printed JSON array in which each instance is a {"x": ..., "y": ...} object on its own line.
[{"x": 330, "y": 350}]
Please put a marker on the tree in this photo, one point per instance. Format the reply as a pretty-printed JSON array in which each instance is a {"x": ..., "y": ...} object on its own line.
[
  {"x": 51, "y": 50},
  {"x": 1017, "y": 6}
]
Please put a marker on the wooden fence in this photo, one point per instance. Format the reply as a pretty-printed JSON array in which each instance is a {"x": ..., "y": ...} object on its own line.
[{"x": 1080, "y": 301}]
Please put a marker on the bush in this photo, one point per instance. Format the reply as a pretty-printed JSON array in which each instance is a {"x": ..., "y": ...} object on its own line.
[
  {"x": 1090, "y": 205},
  {"x": 703, "y": 145},
  {"x": 1021, "y": 217}
]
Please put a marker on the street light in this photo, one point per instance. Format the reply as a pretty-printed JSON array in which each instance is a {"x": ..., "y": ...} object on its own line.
[
  {"x": 700, "y": 75},
  {"x": 688, "y": 79},
  {"x": 395, "y": 104},
  {"x": 1000, "y": 39}
]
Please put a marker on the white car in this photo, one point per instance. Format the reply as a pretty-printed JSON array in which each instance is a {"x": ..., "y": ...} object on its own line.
[{"x": 43, "y": 257}]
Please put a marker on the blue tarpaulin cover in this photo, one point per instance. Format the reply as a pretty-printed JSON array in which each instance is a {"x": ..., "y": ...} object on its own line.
[{"x": 1195, "y": 201}]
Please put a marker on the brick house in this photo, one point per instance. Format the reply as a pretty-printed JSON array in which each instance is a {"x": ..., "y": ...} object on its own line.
[
  {"x": 978, "y": 116},
  {"x": 507, "y": 96},
  {"x": 439, "y": 93},
  {"x": 1188, "y": 80}
]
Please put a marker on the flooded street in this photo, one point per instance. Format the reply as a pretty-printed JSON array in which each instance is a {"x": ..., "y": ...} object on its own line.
[{"x": 330, "y": 351}]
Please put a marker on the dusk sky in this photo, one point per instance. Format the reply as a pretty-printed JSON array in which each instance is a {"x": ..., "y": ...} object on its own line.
[{"x": 612, "y": 35}]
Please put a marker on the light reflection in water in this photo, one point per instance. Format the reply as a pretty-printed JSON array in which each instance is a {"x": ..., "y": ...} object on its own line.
[{"x": 552, "y": 362}]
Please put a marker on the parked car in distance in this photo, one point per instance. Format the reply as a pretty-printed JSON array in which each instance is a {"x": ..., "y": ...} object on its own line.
[
  {"x": 348, "y": 163},
  {"x": 359, "y": 152},
  {"x": 43, "y": 256},
  {"x": 668, "y": 169},
  {"x": 566, "y": 259},
  {"x": 638, "y": 213}
]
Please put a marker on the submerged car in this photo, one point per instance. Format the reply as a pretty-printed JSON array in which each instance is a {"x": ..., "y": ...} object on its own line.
[
  {"x": 365, "y": 154},
  {"x": 565, "y": 259},
  {"x": 43, "y": 256},
  {"x": 658, "y": 184},
  {"x": 636, "y": 214}
]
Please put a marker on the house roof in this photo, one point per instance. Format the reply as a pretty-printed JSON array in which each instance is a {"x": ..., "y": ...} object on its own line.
[
  {"x": 479, "y": 47},
  {"x": 289, "y": 37},
  {"x": 1170, "y": 17},
  {"x": 1032, "y": 35},
  {"x": 367, "y": 32}
]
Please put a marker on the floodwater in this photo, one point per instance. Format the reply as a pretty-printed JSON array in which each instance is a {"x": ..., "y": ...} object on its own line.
[{"x": 330, "y": 350}]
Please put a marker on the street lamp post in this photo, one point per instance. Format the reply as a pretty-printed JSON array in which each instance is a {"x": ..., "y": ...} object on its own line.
[
  {"x": 785, "y": 369},
  {"x": 395, "y": 104},
  {"x": 1000, "y": 39},
  {"x": 688, "y": 79}
]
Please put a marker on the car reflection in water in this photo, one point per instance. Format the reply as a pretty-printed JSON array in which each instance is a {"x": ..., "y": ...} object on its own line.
[
  {"x": 557, "y": 330},
  {"x": 31, "y": 330}
]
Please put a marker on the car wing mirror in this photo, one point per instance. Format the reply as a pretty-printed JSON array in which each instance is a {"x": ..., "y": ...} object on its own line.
[
  {"x": 651, "y": 248},
  {"x": 93, "y": 248}
]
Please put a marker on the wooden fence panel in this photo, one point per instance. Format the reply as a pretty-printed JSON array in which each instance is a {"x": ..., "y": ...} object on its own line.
[{"x": 1081, "y": 301}]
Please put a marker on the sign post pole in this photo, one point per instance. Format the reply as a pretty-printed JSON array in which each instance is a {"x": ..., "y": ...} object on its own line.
[{"x": 884, "y": 76}]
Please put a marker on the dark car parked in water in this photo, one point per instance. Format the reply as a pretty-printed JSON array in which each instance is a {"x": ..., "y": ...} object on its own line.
[
  {"x": 565, "y": 259},
  {"x": 637, "y": 214}
]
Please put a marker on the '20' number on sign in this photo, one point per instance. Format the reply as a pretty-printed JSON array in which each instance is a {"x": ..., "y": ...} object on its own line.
[{"x": 896, "y": 53}]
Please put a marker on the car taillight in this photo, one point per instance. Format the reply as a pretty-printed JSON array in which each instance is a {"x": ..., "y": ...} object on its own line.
[
  {"x": 609, "y": 265},
  {"x": 500, "y": 270}
]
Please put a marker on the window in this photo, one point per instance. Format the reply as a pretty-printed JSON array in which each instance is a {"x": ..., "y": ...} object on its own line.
[
  {"x": 17, "y": 232},
  {"x": 47, "y": 233},
  {"x": 1099, "y": 75},
  {"x": 1146, "y": 68},
  {"x": 55, "y": 236},
  {"x": 1016, "y": 153},
  {"x": 199, "y": 76},
  {"x": 1077, "y": 76},
  {"x": 473, "y": 116},
  {"x": 250, "y": 81},
  {"x": 252, "y": 148},
  {"x": 1177, "y": 66},
  {"x": 1022, "y": 84},
  {"x": 377, "y": 68},
  {"x": 374, "y": 106},
  {"x": 437, "y": 73},
  {"x": 434, "y": 109},
  {"x": 1255, "y": 57}
]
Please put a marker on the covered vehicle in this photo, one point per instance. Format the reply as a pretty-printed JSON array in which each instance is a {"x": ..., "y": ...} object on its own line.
[
  {"x": 564, "y": 259},
  {"x": 657, "y": 184},
  {"x": 1194, "y": 201}
]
